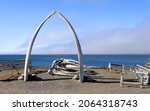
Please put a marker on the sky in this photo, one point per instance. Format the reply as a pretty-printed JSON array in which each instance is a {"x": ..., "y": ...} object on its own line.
[{"x": 102, "y": 26}]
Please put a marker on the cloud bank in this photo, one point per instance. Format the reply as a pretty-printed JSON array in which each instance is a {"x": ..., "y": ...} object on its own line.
[{"x": 133, "y": 40}]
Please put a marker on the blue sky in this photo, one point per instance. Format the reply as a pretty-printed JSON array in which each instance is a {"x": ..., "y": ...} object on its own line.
[{"x": 103, "y": 26}]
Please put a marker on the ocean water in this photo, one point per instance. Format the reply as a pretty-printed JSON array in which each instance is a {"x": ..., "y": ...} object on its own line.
[{"x": 90, "y": 60}]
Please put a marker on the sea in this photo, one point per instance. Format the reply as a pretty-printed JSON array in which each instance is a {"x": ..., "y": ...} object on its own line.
[{"x": 89, "y": 60}]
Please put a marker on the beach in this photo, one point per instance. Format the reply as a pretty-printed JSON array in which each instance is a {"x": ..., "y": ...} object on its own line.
[{"x": 103, "y": 82}]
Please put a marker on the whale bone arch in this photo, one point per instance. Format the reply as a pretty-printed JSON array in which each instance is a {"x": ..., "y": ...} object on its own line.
[{"x": 76, "y": 40}]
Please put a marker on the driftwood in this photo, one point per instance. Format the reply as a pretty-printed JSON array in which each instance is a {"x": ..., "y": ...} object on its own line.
[{"x": 142, "y": 74}]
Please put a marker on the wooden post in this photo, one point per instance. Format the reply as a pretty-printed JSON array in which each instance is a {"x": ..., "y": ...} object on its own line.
[
  {"x": 109, "y": 67},
  {"x": 123, "y": 69},
  {"x": 141, "y": 81},
  {"x": 121, "y": 80}
]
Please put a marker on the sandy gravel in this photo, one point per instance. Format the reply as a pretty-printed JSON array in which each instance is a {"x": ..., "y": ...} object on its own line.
[{"x": 105, "y": 83}]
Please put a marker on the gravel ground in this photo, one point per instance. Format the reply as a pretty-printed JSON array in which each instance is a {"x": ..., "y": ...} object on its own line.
[{"x": 105, "y": 83}]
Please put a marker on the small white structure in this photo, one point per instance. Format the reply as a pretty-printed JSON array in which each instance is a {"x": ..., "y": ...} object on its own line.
[{"x": 74, "y": 37}]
